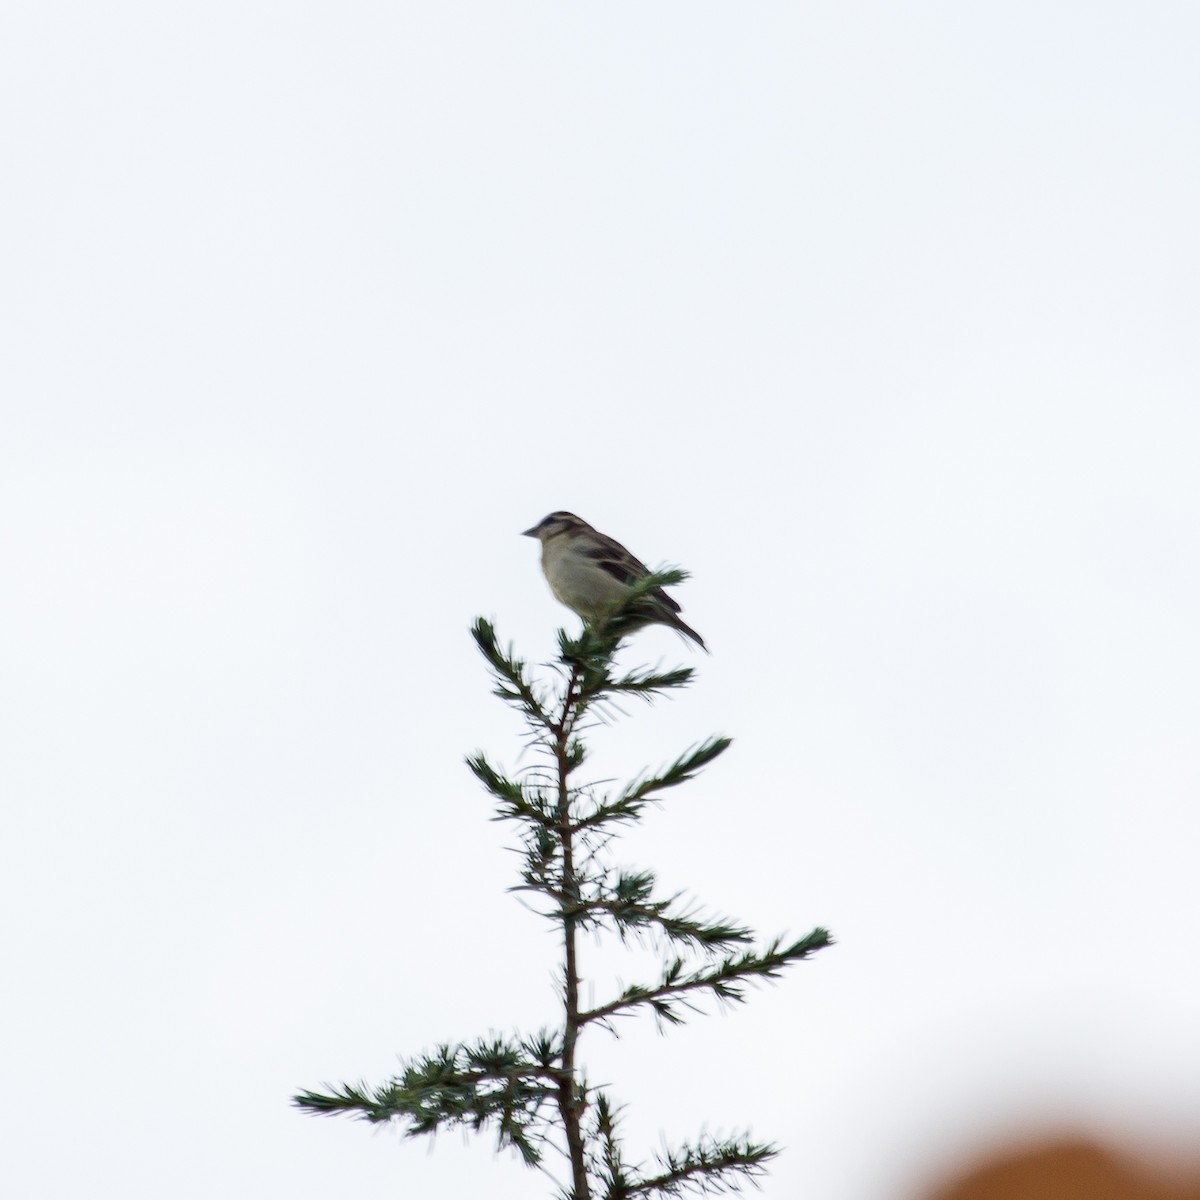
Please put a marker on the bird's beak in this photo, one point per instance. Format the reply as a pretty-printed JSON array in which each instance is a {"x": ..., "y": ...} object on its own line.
[{"x": 530, "y": 532}]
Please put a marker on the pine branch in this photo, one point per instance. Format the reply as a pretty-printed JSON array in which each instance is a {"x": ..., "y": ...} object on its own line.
[
  {"x": 492, "y": 1082},
  {"x": 708, "y": 1166},
  {"x": 517, "y": 802},
  {"x": 727, "y": 981},
  {"x": 543, "y": 860},
  {"x": 608, "y": 1164},
  {"x": 648, "y": 683},
  {"x": 629, "y": 802},
  {"x": 626, "y": 898},
  {"x": 513, "y": 684}
]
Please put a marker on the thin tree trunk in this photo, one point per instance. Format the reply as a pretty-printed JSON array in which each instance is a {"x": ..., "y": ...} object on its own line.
[{"x": 570, "y": 1103}]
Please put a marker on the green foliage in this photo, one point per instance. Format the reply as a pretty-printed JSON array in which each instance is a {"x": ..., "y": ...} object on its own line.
[
  {"x": 505, "y": 1083},
  {"x": 530, "y": 1091}
]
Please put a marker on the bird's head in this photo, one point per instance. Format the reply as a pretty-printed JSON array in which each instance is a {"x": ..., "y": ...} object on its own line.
[{"x": 554, "y": 524}]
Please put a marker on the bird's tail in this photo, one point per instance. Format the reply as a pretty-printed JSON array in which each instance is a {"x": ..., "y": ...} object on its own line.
[{"x": 684, "y": 628}]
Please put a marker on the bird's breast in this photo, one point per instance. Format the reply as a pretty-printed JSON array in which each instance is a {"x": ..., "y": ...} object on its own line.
[{"x": 578, "y": 581}]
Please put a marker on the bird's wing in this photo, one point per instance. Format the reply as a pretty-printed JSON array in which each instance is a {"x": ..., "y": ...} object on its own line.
[{"x": 612, "y": 557}]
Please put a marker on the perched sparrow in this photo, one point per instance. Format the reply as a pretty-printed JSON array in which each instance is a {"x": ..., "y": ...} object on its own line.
[{"x": 591, "y": 574}]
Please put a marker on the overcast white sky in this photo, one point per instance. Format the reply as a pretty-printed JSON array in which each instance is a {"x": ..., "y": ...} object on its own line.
[{"x": 881, "y": 319}]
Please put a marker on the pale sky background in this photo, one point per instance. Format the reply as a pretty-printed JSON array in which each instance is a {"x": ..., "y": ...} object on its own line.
[{"x": 881, "y": 319}]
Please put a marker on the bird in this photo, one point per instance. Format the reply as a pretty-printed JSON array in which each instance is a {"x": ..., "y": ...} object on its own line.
[{"x": 591, "y": 574}]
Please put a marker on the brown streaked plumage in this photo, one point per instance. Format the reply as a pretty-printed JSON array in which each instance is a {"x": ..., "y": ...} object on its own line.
[{"x": 590, "y": 573}]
